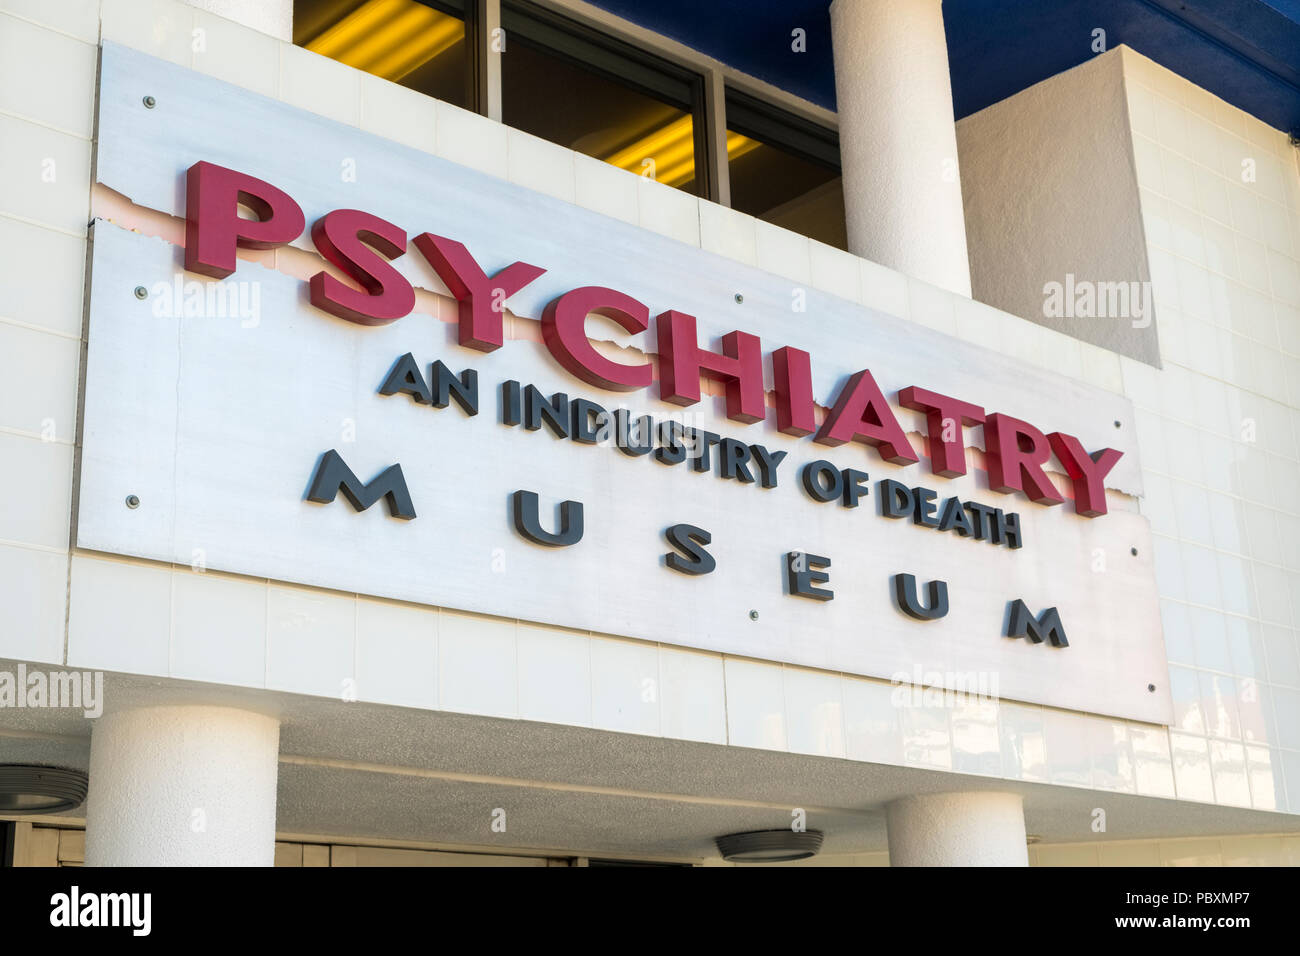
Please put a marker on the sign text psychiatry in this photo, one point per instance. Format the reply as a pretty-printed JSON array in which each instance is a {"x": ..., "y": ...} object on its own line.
[{"x": 361, "y": 245}]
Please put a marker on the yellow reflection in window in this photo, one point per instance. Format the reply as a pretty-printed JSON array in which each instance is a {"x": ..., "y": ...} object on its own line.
[
  {"x": 671, "y": 148},
  {"x": 390, "y": 38}
]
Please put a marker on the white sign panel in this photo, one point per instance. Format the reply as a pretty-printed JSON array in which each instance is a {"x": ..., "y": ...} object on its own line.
[{"x": 212, "y": 403}]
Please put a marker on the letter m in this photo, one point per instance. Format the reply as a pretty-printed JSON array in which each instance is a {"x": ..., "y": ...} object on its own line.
[
  {"x": 333, "y": 475},
  {"x": 1116, "y": 297},
  {"x": 1047, "y": 625}
]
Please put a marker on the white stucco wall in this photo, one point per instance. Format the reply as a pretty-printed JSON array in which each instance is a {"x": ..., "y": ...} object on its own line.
[{"x": 1049, "y": 185}]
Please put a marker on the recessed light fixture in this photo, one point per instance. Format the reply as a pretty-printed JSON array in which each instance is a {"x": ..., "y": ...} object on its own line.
[
  {"x": 28, "y": 789},
  {"x": 769, "y": 846}
]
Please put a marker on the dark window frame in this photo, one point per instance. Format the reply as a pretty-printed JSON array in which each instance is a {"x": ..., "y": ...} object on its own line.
[
  {"x": 586, "y": 47},
  {"x": 774, "y": 126},
  {"x": 682, "y": 84},
  {"x": 468, "y": 12}
]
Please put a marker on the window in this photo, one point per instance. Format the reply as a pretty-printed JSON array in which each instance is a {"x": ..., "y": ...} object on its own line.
[
  {"x": 785, "y": 170},
  {"x": 573, "y": 86},
  {"x": 423, "y": 45}
]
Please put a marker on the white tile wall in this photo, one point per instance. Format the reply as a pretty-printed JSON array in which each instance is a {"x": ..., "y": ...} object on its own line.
[
  {"x": 234, "y": 54},
  {"x": 1069, "y": 758},
  {"x": 47, "y": 90},
  {"x": 884, "y": 289},
  {"x": 76, "y": 18},
  {"x": 934, "y": 307},
  {"x": 311, "y": 641},
  {"x": 976, "y": 745},
  {"x": 668, "y": 211},
  {"x": 693, "y": 696},
  {"x": 397, "y": 654},
  {"x": 477, "y": 670},
  {"x": 46, "y": 175},
  {"x": 1192, "y": 776},
  {"x": 554, "y": 675},
  {"x": 755, "y": 705},
  {"x": 397, "y": 113},
  {"x": 782, "y": 252},
  {"x": 728, "y": 232},
  {"x": 315, "y": 83},
  {"x": 38, "y": 480},
  {"x": 926, "y": 734},
  {"x": 1153, "y": 770},
  {"x": 872, "y": 731},
  {"x": 46, "y": 77},
  {"x": 120, "y": 616},
  {"x": 605, "y": 189},
  {"x": 835, "y": 271},
  {"x": 33, "y": 250},
  {"x": 814, "y": 709},
  {"x": 1023, "y": 740},
  {"x": 35, "y": 368},
  {"x": 625, "y": 686},
  {"x": 161, "y": 28},
  {"x": 36, "y": 589},
  {"x": 1219, "y": 426},
  {"x": 471, "y": 140},
  {"x": 540, "y": 165},
  {"x": 219, "y": 628}
]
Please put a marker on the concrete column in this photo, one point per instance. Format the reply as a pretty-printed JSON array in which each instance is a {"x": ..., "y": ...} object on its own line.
[
  {"x": 274, "y": 17},
  {"x": 898, "y": 142},
  {"x": 182, "y": 786},
  {"x": 955, "y": 829}
]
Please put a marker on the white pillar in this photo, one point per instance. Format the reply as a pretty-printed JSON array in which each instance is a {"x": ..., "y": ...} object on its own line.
[
  {"x": 184, "y": 785},
  {"x": 898, "y": 141},
  {"x": 955, "y": 829},
  {"x": 270, "y": 16}
]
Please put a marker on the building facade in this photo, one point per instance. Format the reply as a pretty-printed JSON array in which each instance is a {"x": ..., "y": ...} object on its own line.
[{"x": 559, "y": 433}]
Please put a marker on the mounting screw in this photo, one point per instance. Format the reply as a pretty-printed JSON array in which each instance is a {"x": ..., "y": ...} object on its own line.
[
  {"x": 753, "y": 615},
  {"x": 1151, "y": 688},
  {"x": 149, "y": 102},
  {"x": 1133, "y": 551},
  {"x": 739, "y": 297},
  {"x": 141, "y": 292},
  {"x": 132, "y": 502}
]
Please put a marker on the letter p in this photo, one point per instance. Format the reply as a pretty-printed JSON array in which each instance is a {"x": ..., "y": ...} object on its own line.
[{"x": 214, "y": 229}]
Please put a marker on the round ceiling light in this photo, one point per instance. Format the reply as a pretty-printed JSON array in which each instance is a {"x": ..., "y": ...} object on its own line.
[
  {"x": 769, "y": 846},
  {"x": 27, "y": 789}
]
